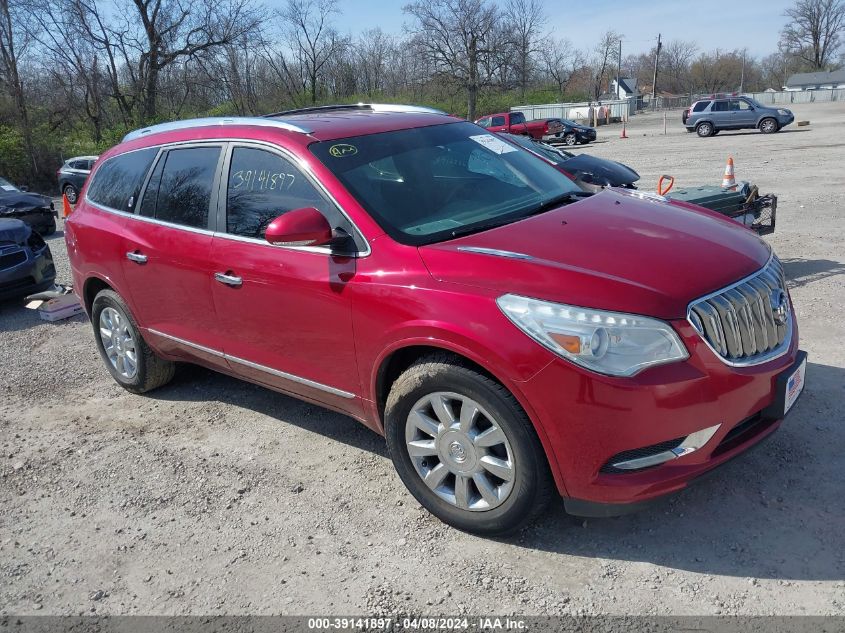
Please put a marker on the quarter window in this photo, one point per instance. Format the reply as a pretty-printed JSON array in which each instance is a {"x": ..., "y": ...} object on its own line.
[
  {"x": 700, "y": 106},
  {"x": 117, "y": 182},
  {"x": 180, "y": 187},
  {"x": 263, "y": 186}
]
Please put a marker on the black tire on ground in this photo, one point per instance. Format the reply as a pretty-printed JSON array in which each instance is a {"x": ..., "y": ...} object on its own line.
[
  {"x": 152, "y": 371},
  {"x": 583, "y": 142},
  {"x": 769, "y": 126},
  {"x": 71, "y": 193},
  {"x": 51, "y": 228},
  {"x": 569, "y": 139},
  {"x": 704, "y": 129},
  {"x": 533, "y": 485},
  {"x": 715, "y": 132}
]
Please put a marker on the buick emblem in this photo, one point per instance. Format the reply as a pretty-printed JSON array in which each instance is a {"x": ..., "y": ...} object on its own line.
[
  {"x": 457, "y": 452},
  {"x": 780, "y": 306}
]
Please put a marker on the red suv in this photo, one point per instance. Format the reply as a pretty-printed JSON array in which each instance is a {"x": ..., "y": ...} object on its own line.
[{"x": 509, "y": 334}]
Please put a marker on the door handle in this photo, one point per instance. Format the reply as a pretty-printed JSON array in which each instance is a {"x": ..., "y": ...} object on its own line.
[
  {"x": 229, "y": 280},
  {"x": 136, "y": 257}
]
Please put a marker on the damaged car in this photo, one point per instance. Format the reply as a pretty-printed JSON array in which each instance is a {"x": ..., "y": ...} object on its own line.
[
  {"x": 591, "y": 172},
  {"x": 33, "y": 209},
  {"x": 26, "y": 263}
]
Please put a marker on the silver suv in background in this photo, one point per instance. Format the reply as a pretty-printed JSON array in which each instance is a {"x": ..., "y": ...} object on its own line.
[
  {"x": 73, "y": 174},
  {"x": 710, "y": 116}
]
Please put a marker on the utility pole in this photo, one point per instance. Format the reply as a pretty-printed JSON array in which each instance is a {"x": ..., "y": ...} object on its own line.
[
  {"x": 742, "y": 76},
  {"x": 654, "y": 80},
  {"x": 619, "y": 69}
]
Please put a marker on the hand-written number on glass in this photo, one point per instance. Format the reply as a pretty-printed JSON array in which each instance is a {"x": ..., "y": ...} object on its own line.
[{"x": 262, "y": 180}]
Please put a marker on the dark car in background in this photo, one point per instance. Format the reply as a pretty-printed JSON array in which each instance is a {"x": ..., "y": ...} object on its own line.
[
  {"x": 73, "y": 174},
  {"x": 26, "y": 263},
  {"x": 710, "y": 116},
  {"x": 574, "y": 133},
  {"x": 31, "y": 208},
  {"x": 590, "y": 172}
]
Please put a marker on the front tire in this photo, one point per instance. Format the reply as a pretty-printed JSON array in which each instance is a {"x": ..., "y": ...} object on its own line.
[
  {"x": 464, "y": 447},
  {"x": 768, "y": 126},
  {"x": 130, "y": 361},
  {"x": 704, "y": 129},
  {"x": 569, "y": 139}
]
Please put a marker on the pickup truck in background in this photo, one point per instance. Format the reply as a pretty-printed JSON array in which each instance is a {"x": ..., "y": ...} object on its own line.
[{"x": 515, "y": 123}]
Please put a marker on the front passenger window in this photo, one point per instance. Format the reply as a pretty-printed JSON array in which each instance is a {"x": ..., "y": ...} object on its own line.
[{"x": 263, "y": 186}]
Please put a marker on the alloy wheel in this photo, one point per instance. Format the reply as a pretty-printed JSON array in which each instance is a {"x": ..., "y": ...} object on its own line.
[
  {"x": 460, "y": 451},
  {"x": 118, "y": 342}
]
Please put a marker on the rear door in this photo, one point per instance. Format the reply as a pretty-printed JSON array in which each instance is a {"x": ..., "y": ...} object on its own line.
[
  {"x": 284, "y": 313},
  {"x": 167, "y": 246},
  {"x": 720, "y": 114}
]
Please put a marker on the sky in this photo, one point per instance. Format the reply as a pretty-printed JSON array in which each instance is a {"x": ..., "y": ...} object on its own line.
[{"x": 751, "y": 24}]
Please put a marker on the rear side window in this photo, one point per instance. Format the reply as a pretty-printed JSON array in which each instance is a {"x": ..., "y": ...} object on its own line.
[
  {"x": 700, "y": 106},
  {"x": 263, "y": 186},
  {"x": 117, "y": 182},
  {"x": 719, "y": 106},
  {"x": 180, "y": 187},
  {"x": 517, "y": 117}
]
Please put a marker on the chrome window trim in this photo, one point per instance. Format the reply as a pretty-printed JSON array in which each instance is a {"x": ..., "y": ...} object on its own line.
[
  {"x": 322, "y": 250},
  {"x": 766, "y": 357},
  {"x": 269, "y": 370}
]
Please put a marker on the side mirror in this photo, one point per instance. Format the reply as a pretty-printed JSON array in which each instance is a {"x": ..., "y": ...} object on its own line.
[
  {"x": 300, "y": 227},
  {"x": 24, "y": 188}
]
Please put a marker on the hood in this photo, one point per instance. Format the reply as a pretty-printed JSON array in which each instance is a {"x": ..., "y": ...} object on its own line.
[
  {"x": 603, "y": 171},
  {"x": 612, "y": 251},
  {"x": 12, "y": 202},
  {"x": 14, "y": 231}
]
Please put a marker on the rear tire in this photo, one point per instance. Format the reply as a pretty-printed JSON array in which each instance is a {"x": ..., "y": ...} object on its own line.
[
  {"x": 130, "y": 361},
  {"x": 704, "y": 129},
  {"x": 463, "y": 468},
  {"x": 769, "y": 126},
  {"x": 71, "y": 193}
]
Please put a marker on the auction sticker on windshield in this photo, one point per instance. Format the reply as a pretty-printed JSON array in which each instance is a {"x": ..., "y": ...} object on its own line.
[{"x": 493, "y": 144}]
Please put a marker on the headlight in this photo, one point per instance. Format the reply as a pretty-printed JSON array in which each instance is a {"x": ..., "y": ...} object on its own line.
[
  {"x": 606, "y": 342},
  {"x": 783, "y": 112}
]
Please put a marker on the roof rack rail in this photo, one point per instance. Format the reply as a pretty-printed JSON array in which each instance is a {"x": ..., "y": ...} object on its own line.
[
  {"x": 215, "y": 121},
  {"x": 372, "y": 107}
]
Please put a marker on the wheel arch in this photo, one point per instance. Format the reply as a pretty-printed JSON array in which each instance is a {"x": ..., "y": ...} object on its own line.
[
  {"x": 94, "y": 285},
  {"x": 395, "y": 361}
]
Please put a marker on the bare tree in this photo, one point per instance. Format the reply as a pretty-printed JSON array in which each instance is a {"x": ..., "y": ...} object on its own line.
[
  {"x": 453, "y": 35},
  {"x": 604, "y": 53},
  {"x": 525, "y": 19},
  {"x": 13, "y": 41},
  {"x": 312, "y": 39},
  {"x": 560, "y": 61},
  {"x": 813, "y": 32}
]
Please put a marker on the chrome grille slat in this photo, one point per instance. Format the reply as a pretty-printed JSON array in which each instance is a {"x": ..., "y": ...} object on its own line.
[{"x": 740, "y": 323}]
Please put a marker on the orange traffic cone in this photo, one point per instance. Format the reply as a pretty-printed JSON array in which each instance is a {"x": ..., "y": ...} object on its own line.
[
  {"x": 729, "y": 182},
  {"x": 65, "y": 206},
  {"x": 623, "y": 135}
]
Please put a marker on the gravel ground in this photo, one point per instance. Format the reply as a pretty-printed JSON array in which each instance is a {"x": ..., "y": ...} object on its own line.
[{"x": 213, "y": 496}]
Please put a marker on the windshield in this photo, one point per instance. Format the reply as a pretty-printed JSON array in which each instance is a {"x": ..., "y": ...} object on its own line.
[
  {"x": 754, "y": 102},
  {"x": 5, "y": 185},
  {"x": 570, "y": 123},
  {"x": 430, "y": 184},
  {"x": 549, "y": 152}
]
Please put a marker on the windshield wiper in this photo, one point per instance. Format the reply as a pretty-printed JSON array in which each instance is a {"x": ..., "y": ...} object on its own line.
[{"x": 556, "y": 201}]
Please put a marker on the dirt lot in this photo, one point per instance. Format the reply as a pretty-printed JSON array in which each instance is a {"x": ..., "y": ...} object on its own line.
[{"x": 213, "y": 496}]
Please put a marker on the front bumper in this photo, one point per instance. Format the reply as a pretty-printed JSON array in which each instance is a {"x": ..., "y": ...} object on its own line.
[
  {"x": 35, "y": 274},
  {"x": 589, "y": 419}
]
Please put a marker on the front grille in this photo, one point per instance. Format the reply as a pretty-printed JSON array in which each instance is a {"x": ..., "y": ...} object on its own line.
[
  {"x": 748, "y": 322},
  {"x": 12, "y": 259},
  {"x": 636, "y": 453}
]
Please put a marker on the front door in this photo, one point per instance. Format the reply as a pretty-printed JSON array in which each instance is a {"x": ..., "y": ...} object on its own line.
[
  {"x": 284, "y": 313},
  {"x": 167, "y": 254}
]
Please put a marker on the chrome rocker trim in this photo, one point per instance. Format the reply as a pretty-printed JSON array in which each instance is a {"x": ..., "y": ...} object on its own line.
[{"x": 269, "y": 370}]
